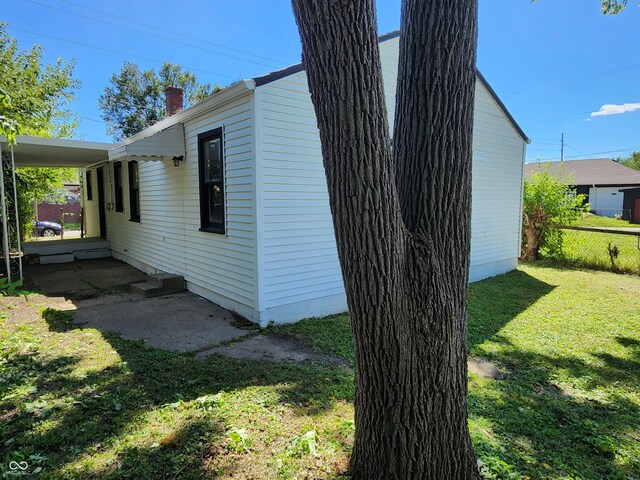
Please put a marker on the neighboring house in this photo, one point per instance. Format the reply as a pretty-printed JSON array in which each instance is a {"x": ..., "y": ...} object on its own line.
[
  {"x": 231, "y": 193},
  {"x": 611, "y": 188}
]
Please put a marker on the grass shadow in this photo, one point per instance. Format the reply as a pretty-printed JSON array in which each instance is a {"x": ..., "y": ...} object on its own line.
[
  {"x": 559, "y": 415},
  {"x": 494, "y": 302},
  {"x": 98, "y": 409}
]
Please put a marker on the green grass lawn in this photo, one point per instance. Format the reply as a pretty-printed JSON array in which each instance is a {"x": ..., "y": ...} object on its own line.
[
  {"x": 590, "y": 220},
  {"x": 591, "y": 249},
  {"x": 75, "y": 403}
]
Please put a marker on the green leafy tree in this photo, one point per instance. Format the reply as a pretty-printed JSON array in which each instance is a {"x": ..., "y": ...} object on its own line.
[
  {"x": 34, "y": 100},
  {"x": 8, "y": 126},
  {"x": 40, "y": 94},
  {"x": 548, "y": 201},
  {"x": 632, "y": 161},
  {"x": 135, "y": 98}
]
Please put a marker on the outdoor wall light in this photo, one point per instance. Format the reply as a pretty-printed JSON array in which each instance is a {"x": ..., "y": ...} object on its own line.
[{"x": 178, "y": 160}]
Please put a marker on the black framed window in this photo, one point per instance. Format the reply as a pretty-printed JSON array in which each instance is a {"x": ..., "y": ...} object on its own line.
[
  {"x": 117, "y": 180},
  {"x": 88, "y": 188},
  {"x": 134, "y": 191},
  {"x": 211, "y": 171}
]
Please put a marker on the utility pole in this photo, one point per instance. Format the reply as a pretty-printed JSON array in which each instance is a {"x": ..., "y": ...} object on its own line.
[{"x": 562, "y": 148}]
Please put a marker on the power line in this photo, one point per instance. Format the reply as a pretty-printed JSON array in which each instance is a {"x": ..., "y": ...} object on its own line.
[
  {"x": 573, "y": 148},
  {"x": 564, "y": 82},
  {"x": 155, "y": 27},
  {"x": 150, "y": 34},
  {"x": 118, "y": 52},
  {"x": 544, "y": 142},
  {"x": 594, "y": 153}
]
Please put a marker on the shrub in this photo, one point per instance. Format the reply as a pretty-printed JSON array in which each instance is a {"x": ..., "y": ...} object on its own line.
[{"x": 547, "y": 201}]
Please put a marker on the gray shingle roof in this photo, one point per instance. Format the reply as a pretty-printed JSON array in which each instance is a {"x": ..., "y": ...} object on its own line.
[{"x": 598, "y": 171}]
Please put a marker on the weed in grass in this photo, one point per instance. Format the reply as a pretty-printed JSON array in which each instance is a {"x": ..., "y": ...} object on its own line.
[
  {"x": 239, "y": 440},
  {"x": 306, "y": 444}
]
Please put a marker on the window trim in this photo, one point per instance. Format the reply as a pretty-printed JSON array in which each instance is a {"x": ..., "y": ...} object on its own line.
[
  {"x": 88, "y": 187},
  {"x": 133, "y": 192},
  {"x": 119, "y": 189},
  {"x": 205, "y": 226}
]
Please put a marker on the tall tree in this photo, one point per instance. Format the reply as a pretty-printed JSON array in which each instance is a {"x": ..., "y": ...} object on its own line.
[
  {"x": 34, "y": 96},
  {"x": 135, "y": 99},
  {"x": 632, "y": 161},
  {"x": 40, "y": 94},
  {"x": 402, "y": 222}
]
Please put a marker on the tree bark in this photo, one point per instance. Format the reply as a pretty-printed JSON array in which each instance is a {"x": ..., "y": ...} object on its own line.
[
  {"x": 402, "y": 223},
  {"x": 534, "y": 232}
]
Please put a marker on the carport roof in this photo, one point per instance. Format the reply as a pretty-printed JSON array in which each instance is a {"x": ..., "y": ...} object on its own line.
[{"x": 57, "y": 152}]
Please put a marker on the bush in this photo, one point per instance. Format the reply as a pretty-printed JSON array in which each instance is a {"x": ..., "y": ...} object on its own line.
[{"x": 547, "y": 201}]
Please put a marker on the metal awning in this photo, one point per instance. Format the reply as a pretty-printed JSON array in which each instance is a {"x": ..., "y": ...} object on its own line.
[
  {"x": 57, "y": 152},
  {"x": 151, "y": 145}
]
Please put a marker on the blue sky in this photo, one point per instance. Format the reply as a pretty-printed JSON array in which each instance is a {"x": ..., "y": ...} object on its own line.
[{"x": 553, "y": 63}]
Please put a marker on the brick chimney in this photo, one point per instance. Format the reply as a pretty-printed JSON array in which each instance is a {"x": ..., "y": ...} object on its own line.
[{"x": 174, "y": 98}]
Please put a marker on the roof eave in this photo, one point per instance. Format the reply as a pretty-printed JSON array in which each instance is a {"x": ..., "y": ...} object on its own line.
[
  {"x": 299, "y": 67},
  {"x": 214, "y": 101}
]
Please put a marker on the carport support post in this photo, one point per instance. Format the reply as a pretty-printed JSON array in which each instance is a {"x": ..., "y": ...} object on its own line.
[
  {"x": 5, "y": 229},
  {"x": 15, "y": 204}
]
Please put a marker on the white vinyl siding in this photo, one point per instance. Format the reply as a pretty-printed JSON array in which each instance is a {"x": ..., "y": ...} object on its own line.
[
  {"x": 498, "y": 163},
  {"x": 299, "y": 265},
  {"x": 220, "y": 267}
]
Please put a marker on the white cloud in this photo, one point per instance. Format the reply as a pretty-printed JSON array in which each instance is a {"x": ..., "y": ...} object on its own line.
[{"x": 612, "y": 109}]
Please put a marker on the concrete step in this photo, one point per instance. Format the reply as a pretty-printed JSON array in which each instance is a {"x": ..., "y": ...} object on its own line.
[
  {"x": 57, "y": 258},
  {"x": 158, "y": 284},
  {"x": 167, "y": 280}
]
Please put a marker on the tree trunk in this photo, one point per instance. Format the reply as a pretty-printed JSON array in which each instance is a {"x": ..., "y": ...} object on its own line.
[
  {"x": 533, "y": 231},
  {"x": 533, "y": 244},
  {"x": 402, "y": 223}
]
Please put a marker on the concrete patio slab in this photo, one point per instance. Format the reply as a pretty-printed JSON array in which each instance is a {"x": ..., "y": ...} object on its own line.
[
  {"x": 98, "y": 292},
  {"x": 182, "y": 323},
  {"x": 82, "y": 279}
]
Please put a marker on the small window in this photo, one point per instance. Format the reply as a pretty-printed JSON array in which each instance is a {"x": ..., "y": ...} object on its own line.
[
  {"x": 117, "y": 180},
  {"x": 211, "y": 170},
  {"x": 134, "y": 191},
  {"x": 88, "y": 188}
]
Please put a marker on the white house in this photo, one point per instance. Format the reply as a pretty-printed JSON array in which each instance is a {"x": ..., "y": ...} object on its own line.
[
  {"x": 231, "y": 193},
  {"x": 611, "y": 188}
]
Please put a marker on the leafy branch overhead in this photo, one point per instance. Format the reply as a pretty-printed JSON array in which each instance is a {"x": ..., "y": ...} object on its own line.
[
  {"x": 135, "y": 99},
  {"x": 610, "y": 7},
  {"x": 40, "y": 94},
  {"x": 8, "y": 126}
]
